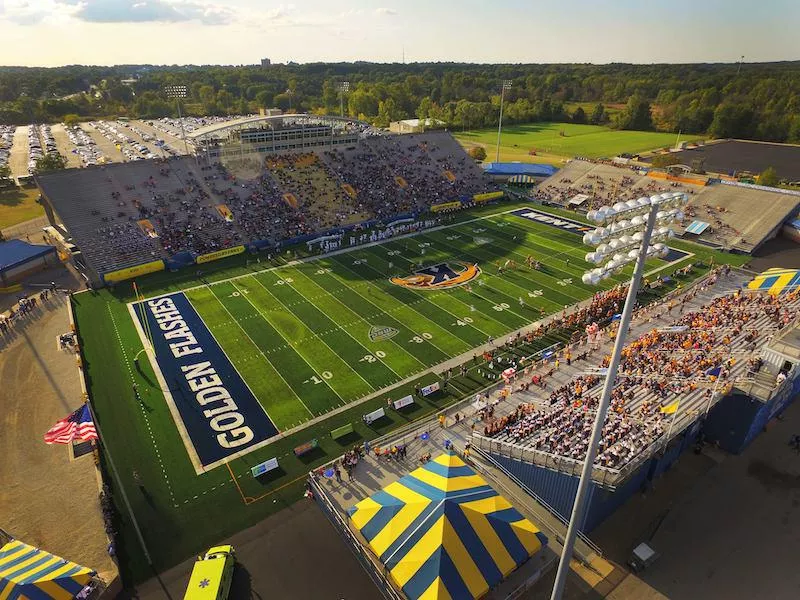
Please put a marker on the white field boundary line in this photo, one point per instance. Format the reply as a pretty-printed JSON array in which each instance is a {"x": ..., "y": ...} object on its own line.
[
  {"x": 162, "y": 382},
  {"x": 300, "y": 261}
]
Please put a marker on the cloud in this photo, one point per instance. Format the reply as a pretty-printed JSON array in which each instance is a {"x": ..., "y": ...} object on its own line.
[
  {"x": 386, "y": 12},
  {"x": 145, "y": 11}
]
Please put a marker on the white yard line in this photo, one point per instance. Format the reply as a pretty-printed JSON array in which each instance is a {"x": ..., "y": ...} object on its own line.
[
  {"x": 335, "y": 253},
  {"x": 293, "y": 346},
  {"x": 222, "y": 304}
]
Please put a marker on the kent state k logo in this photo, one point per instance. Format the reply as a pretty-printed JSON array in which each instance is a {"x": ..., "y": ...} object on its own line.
[{"x": 441, "y": 276}]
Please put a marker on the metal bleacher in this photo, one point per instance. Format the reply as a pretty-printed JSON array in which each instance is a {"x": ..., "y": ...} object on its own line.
[{"x": 651, "y": 429}]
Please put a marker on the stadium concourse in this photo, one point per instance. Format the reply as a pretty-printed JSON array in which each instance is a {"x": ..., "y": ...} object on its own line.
[
  {"x": 726, "y": 207},
  {"x": 130, "y": 214}
]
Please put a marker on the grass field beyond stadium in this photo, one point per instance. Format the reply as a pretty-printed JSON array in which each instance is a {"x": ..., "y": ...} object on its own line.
[
  {"x": 592, "y": 141},
  {"x": 309, "y": 338}
]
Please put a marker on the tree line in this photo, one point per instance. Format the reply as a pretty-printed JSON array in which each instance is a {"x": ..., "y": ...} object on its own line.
[{"x": 756, "y": 101}]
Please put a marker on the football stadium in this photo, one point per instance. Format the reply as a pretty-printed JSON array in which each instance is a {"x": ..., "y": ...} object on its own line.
[{"x": 303, "y": 296}]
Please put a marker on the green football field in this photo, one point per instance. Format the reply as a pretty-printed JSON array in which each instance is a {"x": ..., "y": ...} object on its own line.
[
  {"x": 299, "y": 334},
  {"x": 592, "y": 141}
]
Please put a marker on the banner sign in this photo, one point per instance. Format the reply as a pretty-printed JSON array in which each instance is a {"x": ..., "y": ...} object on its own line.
[
  {"x": 264, "y": 467},
  {"x": 487, "y": 196},
  {"x": 445, "y": 206},
  {"x": 404, "y": 401},
  {"x": 131, "y": 272},
  {"x": 204, "y": 258},
  {"x": 429, "y": 389},
  {"x": 207, "y": 397},
  {"x": 374, "y": 416}
]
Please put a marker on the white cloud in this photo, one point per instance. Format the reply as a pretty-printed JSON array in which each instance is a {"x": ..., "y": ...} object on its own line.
[
  {"x": 385, "y": 12},
  {"x": 145, "y": 11}
]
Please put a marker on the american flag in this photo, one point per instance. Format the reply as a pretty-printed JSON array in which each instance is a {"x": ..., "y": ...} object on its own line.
[{"x": 78, "y": 425}]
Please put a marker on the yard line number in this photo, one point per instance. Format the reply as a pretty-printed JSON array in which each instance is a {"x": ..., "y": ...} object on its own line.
[
  {"x": 316, "y": 380},
  {"x": 418, "y": 339}
]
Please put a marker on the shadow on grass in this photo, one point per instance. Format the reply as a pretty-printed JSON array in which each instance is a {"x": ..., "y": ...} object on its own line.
[
  {"x": 271, "y": 477},
  {"x": 348, "y": 439},
  {"x": 313, "y": 455}
]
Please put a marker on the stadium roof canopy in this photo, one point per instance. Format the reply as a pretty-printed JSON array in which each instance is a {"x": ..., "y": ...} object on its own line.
[
  {"x": 442, "y": 532},
  {"x": 518, "y": 168},
  {"x": 220, "y": 129},
  {"x": 27, "y": 572},
  {"x": 14, "y": 253}
]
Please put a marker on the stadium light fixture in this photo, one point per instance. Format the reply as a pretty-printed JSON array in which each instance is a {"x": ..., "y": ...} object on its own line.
[
  {"x": 624, "y": 239},
  {"x": 506, "y": 85},
  {"x": 344, "y": 87},
  {"x": 178, "y": 92}
]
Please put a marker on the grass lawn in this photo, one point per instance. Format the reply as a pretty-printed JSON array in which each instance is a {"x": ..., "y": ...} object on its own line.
[
  {"x": 18, "y": 205},
  {"x": 299, "y": 337},
  {"x": 592, "y": 141}
]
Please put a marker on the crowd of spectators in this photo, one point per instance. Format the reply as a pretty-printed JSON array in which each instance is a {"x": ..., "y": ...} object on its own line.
[
  {"x": 607, "y": 184},
  {"x": 280, "y": 198},
  {"x": 656, "y": 370}
]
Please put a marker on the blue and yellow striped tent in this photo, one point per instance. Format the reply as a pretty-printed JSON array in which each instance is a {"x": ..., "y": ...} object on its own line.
[
  {"x": 443, "y": 533},
  {"x": 27, "y": 573},
  {"x": 776, "y": 281}
]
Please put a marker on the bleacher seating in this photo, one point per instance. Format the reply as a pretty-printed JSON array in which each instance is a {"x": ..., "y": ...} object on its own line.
[
  {"x": 726, "y": 329},
  {"x": 329, "y": 188}
]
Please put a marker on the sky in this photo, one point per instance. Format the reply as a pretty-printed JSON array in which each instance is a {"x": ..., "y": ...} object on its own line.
[{"x": 107, "y": 32}]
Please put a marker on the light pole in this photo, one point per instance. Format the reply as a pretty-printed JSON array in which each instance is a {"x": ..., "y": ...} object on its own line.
[
  {"x": 342, "y": 86},
  {"x": 660, "y": 208},
  {"x": 506, "y": 85},
  {"x": 178, "y": 92}
]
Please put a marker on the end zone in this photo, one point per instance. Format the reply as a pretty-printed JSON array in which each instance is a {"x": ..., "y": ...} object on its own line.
[
  {"x": 579, "y": 228},
  {"x": 216, "y": 413}
]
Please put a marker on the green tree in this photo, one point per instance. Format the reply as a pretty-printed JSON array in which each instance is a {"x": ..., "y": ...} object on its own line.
[
  {"x": 579, "y": 116},
  {"x": 51, "y": 162},
  {"x": 71, "y": 120},
  {"x": 769, "y": 176},
  {"x": 264, "y": 99},
  {"x": 363, "y": 102},
  {"x": 478, "y": 153},
  {"x": 5, "y": 171},
  {"x": 599, "y": 115},
  {"x": 637, "y": 115}
]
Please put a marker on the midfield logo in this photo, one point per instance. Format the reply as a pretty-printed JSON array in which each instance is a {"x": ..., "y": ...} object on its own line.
[
  {"x": 378, "y": 333},
  {"x": 441, "y": 276}
]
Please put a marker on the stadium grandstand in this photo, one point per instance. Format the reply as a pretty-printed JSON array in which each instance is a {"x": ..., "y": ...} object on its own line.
[
  {"x": 689, "y": 365},
  {"x": 720, "y": 212},
  {"x": 164, "y": 213}
]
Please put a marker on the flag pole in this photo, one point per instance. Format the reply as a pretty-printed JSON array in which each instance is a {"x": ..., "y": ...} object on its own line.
[{"x": 119, "y": 483}]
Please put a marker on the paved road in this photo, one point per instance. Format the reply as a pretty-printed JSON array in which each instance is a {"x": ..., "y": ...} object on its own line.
[
  {"x": 18, "y": 160},
  {"x": 294, "y": 554},
  {"x": 64, "y": 145}
]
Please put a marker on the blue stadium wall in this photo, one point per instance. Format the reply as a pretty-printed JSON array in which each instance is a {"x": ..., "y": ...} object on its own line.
[
  {"x": 734, "y": 422},
  {"x": 558, "y": 489},
  {"x": 737, "y": 419}
]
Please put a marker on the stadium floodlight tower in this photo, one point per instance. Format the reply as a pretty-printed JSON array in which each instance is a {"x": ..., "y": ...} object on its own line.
[
  {"x": 506, "y": 85},
  {"x": 178, "y": 92},
  {"x": 625, "y": 239},
  {"x": 343, "y": 87}
]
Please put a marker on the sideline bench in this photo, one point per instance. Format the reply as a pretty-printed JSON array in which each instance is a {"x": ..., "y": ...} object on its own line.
[
  {"x": 306, "y": 448},
  {"x": 342, "y": 431}
]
